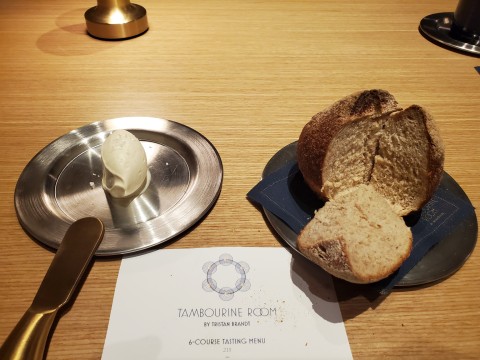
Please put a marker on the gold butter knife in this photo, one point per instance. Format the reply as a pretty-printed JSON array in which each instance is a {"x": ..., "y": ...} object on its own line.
[{"x": 28, "y": 339}]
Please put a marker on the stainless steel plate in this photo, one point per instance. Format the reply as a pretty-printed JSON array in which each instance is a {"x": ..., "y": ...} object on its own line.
[
  {"x": 436, "y": 27},
  {"x": 62, "y": 184},
  {"x": 442, "y": 260}
]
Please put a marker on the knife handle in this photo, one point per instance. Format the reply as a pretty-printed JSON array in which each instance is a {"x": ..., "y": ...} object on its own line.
[{"x": 28, "y": 339}]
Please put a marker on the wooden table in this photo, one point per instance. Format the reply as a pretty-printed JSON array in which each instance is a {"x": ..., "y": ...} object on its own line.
[{"x": 248, "y": 75}]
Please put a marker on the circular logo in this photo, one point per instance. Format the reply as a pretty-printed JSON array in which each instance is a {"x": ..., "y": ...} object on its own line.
[{"x": 225, "y": 271}]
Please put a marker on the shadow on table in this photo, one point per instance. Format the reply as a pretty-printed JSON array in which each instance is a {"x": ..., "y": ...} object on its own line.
[
  {"x": 70, "y": 37},
  {"x": 321, "y": 287},
  {"x": 355, "y": 299}
]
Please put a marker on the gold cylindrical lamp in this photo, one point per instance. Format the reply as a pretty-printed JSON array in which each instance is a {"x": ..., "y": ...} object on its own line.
[{"x": 116, "y": 19}]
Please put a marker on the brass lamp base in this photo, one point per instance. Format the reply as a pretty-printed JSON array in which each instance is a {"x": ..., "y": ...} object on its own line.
[{"x": 114, "y": 20}]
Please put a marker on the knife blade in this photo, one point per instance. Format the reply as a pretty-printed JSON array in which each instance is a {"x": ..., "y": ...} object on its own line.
[{"x": 28, "y": 339}]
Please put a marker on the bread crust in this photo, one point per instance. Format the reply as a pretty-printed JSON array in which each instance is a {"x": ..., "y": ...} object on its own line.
[
  {"x": 436, "y": 154},
  {"x": 318, "y": 133},
  {"x": 371, "y": 105},
  {"x": 357, "y": 237},
  {"x": 342, "y": 267}
]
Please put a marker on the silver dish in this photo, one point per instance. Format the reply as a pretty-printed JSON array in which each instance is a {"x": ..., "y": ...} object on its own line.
[
  {"x": 62, "y": 184},
  {"x": 436, "y": 27},
  {"x": 441, "y": 261}
]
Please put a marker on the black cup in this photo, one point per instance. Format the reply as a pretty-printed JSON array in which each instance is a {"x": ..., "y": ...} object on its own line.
[{"x": 466, "y": 22}]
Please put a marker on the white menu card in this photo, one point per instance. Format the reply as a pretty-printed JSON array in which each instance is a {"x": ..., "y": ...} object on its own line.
[{"x": 224, "y": 303}]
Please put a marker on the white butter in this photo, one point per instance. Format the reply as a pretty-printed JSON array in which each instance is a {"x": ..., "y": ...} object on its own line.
[{"x": 125, "y": 170}]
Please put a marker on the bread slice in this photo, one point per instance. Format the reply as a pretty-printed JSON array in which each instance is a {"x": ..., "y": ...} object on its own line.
[
  {"x": 357, "y": 237},
  {"x": 366, "y": 138}
]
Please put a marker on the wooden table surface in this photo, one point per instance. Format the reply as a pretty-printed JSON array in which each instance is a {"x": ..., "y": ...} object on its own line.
[{"x": 248, "y": 75}]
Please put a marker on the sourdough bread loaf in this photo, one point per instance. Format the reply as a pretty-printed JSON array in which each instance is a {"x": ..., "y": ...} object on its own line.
[
  {"x": 366, "y": 138},
  {"x": 357, "y": 237}
]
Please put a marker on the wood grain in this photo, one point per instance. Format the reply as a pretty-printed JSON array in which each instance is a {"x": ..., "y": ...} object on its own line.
[{"x": 248, "y": 75}]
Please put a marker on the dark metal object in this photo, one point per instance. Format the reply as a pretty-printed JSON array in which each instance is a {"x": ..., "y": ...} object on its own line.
[{"x": 459, "y": 30}]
